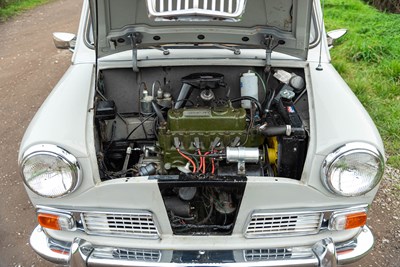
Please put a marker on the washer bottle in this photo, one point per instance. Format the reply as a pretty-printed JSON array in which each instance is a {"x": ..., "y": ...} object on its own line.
[{"x": 248, "y": 87}]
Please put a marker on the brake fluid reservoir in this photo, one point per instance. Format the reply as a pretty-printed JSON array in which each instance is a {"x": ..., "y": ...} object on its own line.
[{"x": 248, "y": 87}]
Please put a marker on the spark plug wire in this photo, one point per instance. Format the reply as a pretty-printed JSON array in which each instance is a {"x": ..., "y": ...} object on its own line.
[
  {"x": 204, "y": 162},
  {"x": 201, "y": 160},
  {"x": 188, "y": 158}
]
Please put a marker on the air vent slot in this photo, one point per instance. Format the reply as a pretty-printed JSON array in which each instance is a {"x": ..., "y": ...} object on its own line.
[{"x": 201, "y": 9}]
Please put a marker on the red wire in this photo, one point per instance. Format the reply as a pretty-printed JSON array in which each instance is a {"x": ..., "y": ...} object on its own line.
[
  {"x": 204, "y": 162},
  {"x": 189, "y": 159},
  {"x": 212, "y": 165},
  {"x": 201, "y": 160}
]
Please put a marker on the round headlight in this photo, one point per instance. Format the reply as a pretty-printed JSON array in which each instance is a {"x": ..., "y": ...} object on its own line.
[
  {"x": 50, "y": 171},
  {"x": 353, "y": 169}
]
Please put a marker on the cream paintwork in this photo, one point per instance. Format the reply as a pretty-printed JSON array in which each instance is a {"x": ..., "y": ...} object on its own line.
[{"x": 65, "y": 119}]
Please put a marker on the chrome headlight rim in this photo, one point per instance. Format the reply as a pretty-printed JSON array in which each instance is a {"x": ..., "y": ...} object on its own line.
[
  {"x": 60, "y": 153},
  {"x": 345, "y": 150}
]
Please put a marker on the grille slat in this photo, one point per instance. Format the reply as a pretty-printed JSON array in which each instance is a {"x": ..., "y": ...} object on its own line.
[
  {"x": 118, "y": 226},
  {"x": 146, "y": 255},
  {"x": 140, "y": 225},
  {"x": 215, "y": 8},
  {"x": 287, "y": 227},
  {"x": 108, "y": 230},
  {"x": 267, "y": 230},
  {"x": 121, "y": 222},
  {"x": 276, "y": 254},
  {"x": 137, "y": 255},
  {"x": 261, "y": 225},
  {"x": 272, "y": 224}
]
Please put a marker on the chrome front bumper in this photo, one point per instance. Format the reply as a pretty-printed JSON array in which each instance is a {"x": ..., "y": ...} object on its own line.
[{"x": 81, "y": 253}]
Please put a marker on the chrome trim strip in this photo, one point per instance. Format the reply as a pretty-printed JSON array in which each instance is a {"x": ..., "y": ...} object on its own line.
[
  {"x": 324, "y": 252},
  {"x": 88, "y": 31}
]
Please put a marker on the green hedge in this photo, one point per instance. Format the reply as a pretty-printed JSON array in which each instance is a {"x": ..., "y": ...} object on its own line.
[
  {"x": 4, "y": 3},
  {"x": 8, "y": 3},
  {"x": 9, "y": 8},
  {"x": 386, "y": 5}
]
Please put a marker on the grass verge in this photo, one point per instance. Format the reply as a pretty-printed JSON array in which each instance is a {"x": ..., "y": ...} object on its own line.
[
  {"x": 14, "y": 8},
  {"x": 368, "y": 58}
]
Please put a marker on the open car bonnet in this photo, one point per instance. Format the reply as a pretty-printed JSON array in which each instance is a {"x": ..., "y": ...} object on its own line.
[{"x": 278, "y": 25}]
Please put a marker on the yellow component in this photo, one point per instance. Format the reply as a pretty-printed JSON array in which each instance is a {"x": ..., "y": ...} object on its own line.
[{"x": 273, "y": 150}]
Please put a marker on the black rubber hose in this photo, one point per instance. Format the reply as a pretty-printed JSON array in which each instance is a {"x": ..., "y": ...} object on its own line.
[
  {"x": 252, "y": 99},
  {"x": 158, "y": 111},
  {"x": 269, "y": 131},
  {"x": 273, "y": 130},
  {"x": 269, "y": 103}
]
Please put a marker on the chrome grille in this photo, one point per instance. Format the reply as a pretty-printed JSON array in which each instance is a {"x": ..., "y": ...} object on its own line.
[
  {"x": 139, "y": 225},
  {"x": 229, "y": 9},
  {"x": 263, "y": 224},
  {"x": 276, "y": 254},
  {"x": 137, "y": 254},
  {"x": 147, "y": 255}
]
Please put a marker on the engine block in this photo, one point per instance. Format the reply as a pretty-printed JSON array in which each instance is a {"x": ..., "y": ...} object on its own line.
[{"x": 215, "y": 128}]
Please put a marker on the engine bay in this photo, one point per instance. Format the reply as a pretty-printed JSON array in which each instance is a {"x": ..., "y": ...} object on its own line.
[{"x": 201, "y": 133}]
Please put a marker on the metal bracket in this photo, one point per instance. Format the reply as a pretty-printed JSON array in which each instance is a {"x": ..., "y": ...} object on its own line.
[
  {"x": 235, "y": 50},
  {"x": 127, "y": 157},
  {"x": 241, "y": 167},
  {"x": 235, "y": 142},
  {"x": 268, "y": 41},
  {"x": 164, "y": 50},
  {"x": 215, "y": 143},
  {"x": 270, "y": 45},
  {"x": 136, "y": 38}
]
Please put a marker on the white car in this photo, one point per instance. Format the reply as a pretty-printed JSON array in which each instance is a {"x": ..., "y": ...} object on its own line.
[{"x": 201, "y": 133}]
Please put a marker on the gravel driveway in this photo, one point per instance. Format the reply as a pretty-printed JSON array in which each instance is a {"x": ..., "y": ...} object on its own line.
[{"x": 30, "y": 66}]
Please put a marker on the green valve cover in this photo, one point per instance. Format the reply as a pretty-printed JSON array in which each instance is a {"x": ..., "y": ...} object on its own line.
[
  {"x": 207, "y": 119},
  {"x": 206, "y": 124}
]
